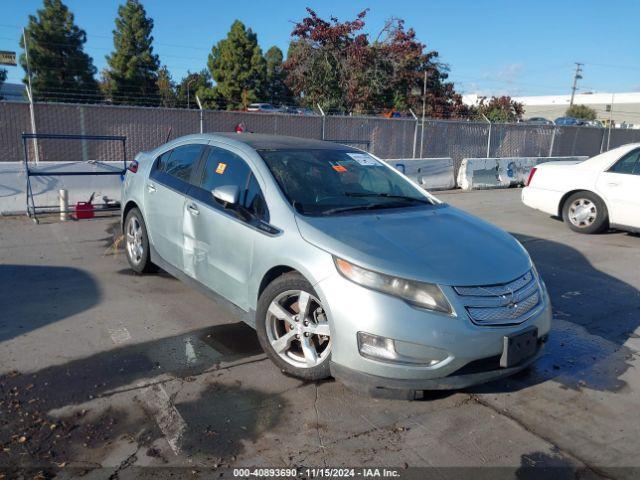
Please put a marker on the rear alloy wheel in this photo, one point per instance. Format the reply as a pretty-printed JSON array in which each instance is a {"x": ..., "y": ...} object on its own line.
[
  {"x": 293, "y": 328},
  {"x": 585, "y": 212},
  {"x": 137, "y": 243}
]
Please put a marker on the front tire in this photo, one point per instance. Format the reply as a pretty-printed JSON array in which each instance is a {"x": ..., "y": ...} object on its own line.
[
  {"x": 137, "y": 243},
  {"x": 293, "y": 329},
  {"x": 585, "y": 212}
]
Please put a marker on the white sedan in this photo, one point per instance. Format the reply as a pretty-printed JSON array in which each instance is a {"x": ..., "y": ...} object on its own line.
[{"x": 592, "y": 195}]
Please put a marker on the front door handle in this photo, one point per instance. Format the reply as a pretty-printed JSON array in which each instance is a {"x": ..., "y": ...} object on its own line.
[
  {"x": 193, "y": 209},
  {"x": 151, "y": 187}
]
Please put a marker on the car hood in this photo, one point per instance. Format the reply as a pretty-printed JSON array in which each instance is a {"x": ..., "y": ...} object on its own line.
[{"x": 438, "y": 244}]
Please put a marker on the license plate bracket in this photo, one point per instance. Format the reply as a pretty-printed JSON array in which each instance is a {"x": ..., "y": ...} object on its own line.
[{"x": 518, "y": 346}]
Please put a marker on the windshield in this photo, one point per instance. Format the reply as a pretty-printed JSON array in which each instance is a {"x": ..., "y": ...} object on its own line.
[{"x": 326, "y": 182}]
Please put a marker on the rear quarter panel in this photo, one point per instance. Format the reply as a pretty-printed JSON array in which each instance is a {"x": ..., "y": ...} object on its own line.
[{"x": 133, "y": 184}]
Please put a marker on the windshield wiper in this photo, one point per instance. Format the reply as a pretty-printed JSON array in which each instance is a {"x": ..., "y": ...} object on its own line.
[
  {"x": 370, "y": 206},
  {"x": 388, "y": 195}
]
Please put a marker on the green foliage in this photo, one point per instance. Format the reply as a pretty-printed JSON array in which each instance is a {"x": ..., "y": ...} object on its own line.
[
  {"x": 212, "y": 99},
  {"x": 334, "y": 64},
  {"x": 499, "y": 109},
  {"x": 276, "y": 90},
  {"x": 190, "y": 86},
  {"x": 60, "y": 70},
  {"x": 133, "y": 67},
  {"x": 166, "y": 88},
  {"x": 581, "y": 111},
  {"x": 238, "y": 68},
  {"x": 3, "y": 77}
]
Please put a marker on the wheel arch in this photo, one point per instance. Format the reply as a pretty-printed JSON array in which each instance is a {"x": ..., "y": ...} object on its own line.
[
  {"x": 130, "y": 205},
  {"x": 272, "y": 274},
  {"x": 565, "y": 197}
]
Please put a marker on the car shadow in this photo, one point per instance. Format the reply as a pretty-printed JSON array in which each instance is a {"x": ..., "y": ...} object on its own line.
[
  {"x": 33, "y": 296},
  {"x": 595, "y": 314}
]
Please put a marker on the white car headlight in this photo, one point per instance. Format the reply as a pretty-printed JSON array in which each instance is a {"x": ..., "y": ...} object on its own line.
[{"x": 420, "y": 294}]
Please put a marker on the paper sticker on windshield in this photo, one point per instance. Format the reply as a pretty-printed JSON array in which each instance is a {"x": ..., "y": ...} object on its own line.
[
  {"x": 339, "y": 168},
  {"x": 221, "y": 168},
  {"x": 364, "y": 159}
]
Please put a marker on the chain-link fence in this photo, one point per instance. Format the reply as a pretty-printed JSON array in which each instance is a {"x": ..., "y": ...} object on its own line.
[{"x": 146, "y": 128}]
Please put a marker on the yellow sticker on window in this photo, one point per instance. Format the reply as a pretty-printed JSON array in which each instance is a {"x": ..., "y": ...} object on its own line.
[{"x": 221, "y": 168}]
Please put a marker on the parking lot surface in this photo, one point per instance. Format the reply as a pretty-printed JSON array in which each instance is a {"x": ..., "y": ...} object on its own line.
[{"x": 103, "y": 372}]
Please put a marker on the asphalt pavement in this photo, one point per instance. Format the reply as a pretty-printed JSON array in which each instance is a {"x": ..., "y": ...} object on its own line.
[{"x": 103, "y": 372}]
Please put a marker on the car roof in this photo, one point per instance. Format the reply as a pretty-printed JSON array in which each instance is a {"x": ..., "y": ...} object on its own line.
[{"x": 259, "y": 141}]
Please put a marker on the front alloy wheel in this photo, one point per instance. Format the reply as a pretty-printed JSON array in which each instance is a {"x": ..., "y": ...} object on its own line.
[
  {"x": 298, "y": 330},
  {"x": 293, "y": 328}
]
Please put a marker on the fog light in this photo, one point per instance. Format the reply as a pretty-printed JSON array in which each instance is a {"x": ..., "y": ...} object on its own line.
[{"x": 386, "y": 350}]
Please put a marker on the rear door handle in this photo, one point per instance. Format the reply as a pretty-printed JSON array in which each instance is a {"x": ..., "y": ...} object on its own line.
[
  {"x": 151, "y": 187},
  {"x": 193, "y": 209},
  {"x": 613, "y": 184}
]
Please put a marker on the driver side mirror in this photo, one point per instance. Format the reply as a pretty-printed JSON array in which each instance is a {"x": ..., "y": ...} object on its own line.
[{"x": 227, "y": 194}]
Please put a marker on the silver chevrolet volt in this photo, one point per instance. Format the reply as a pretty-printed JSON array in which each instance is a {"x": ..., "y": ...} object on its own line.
[{"x": 343, "y": 266}]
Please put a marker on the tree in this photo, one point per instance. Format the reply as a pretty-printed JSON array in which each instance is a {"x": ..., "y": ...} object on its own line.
[
  {"x": 276, "y": 90},
  {"x": 190, "y": 86},
  {"x": 166, "y": 88},
  {"x": 325, "y": 61},
  {"x": 581, "y": 111},
  {"x": 238, "y": 68},
  {"x": 60, "y": 70},
  {"x": 133, "y": 67},
  {"x": 499, "y": 109},
  {"x": 334, "y": 64},
  {"x": 3, "y": 77}
]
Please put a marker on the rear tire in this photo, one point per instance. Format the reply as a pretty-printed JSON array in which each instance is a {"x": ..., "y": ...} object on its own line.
[
  {"x": 293, "y": 329},
  {"x": 136, "y": 242},
  {"x": 585, "y": 212}
]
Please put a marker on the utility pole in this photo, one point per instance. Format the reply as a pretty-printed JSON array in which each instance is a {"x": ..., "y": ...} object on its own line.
[
  {"x": 576, "y": 76},
  {"x": 201, "y": 114},
  {"x": 613, "y": 96},
  {"x": 189, "y": 82}
]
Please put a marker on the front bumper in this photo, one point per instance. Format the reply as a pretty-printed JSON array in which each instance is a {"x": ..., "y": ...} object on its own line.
[
  {"x": 412, "y": 388},
  {"x": 353, "y": 308}
]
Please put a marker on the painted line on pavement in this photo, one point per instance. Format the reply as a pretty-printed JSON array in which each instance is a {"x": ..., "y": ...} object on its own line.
[{"x": 167, "y": 416}]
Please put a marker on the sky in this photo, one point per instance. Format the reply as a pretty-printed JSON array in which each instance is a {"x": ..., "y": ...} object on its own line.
[{"x": 492, "y": 47}]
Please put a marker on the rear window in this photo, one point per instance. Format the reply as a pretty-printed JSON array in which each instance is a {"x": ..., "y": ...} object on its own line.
[
  {"x": 180, "y": 161},
  {"x": 629, "y": 164}
]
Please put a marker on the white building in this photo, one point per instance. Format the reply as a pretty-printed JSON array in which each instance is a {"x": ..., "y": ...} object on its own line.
[{"x": 622, "y": 108}]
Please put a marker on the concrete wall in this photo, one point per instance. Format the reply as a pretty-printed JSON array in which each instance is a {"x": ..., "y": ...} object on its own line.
[
  {"x": 45, "y": 189},
  {"x": 429, "y": 173},
  {"x": 485, "y": 173}
]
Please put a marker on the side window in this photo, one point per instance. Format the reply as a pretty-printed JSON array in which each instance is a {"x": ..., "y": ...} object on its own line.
[
  {"x": 629, "y": 164},
  {"x": 162, "y": 161},
  {"x": 254, "y": 201},
  {"x": 224, "y": 168},
  {"x": 181, "y": 161}
]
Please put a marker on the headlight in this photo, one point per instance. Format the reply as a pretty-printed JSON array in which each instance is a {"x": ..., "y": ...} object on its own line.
[{"x": 420, "y": 294}]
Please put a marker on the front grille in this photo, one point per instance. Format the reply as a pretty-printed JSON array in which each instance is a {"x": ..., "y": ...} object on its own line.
[{"x": 504, "y": 304}]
